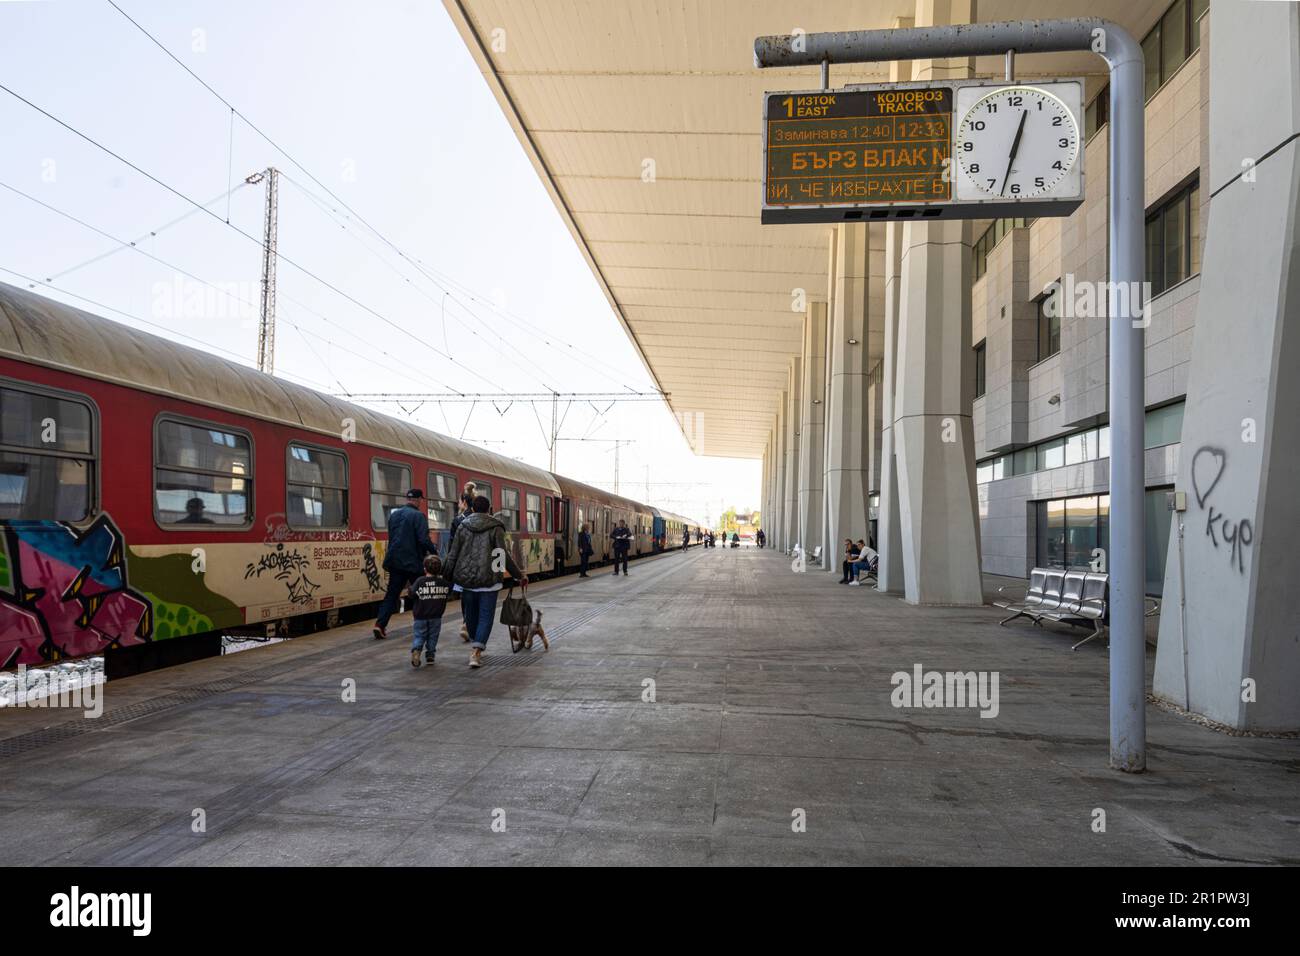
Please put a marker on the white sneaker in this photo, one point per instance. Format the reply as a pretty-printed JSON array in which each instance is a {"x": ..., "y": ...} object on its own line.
[{"x": 855, "y": 583}]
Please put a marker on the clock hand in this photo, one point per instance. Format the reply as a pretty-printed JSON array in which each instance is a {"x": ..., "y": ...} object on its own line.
[{"x": 1015, "y": 145}]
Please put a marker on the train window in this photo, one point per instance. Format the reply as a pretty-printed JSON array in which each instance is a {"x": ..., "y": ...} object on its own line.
[
  {"x": 551, "y": 504},
  {"x": 534, "y": 510},
  {"x": 483, "y": 488},
  {"x": 317, "y": 482},
  {"x": 389, "y": 482},
  {"x": 441, "y": 495},
  {"x": 203, "y": 474},
  {"x": 510, "y": 505},
  {"x": 47, "y": 456}
]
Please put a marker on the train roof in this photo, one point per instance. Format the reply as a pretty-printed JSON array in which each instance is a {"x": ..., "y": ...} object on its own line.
[
  {"x": 40, "y": 330},
  {"x": 569, "y": 485}
]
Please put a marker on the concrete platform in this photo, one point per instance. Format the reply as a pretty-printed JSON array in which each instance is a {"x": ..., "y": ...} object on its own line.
[{"x": 772, "y": 695}]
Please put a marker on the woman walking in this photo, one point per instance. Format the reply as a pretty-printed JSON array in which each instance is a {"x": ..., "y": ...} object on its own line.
[{"x": 478, "y": 552}]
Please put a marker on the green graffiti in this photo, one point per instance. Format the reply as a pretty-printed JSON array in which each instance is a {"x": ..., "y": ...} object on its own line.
[{"x": 182, "y": 602}]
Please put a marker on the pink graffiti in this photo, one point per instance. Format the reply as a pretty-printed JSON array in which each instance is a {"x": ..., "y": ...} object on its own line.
[{"x": 59, "y": 610}]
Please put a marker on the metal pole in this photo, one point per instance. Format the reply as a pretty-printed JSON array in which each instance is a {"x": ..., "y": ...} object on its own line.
[
  {"x": 555, "y": 403},
  {"x": 1125, "y": 302}
]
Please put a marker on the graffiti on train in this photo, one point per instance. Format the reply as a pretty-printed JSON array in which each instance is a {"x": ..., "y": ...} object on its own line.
[{"x": 64, "y": 593}]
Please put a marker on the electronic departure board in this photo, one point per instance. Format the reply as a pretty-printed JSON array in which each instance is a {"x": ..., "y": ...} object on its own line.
[{"x": 892, "y": 150}]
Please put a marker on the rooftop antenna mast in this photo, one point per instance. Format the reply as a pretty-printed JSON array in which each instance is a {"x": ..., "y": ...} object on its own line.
[{"x": 266, "y": 329}]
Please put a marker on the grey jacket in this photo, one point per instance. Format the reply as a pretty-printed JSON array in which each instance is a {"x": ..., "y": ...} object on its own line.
[{"x": 469, "y": 562}]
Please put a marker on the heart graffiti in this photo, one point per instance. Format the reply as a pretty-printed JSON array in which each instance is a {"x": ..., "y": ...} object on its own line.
[{"x": 1207, "y": 469}]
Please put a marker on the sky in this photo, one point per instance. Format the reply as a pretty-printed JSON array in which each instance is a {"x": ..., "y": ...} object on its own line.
[{"x": 383, "y": 106}]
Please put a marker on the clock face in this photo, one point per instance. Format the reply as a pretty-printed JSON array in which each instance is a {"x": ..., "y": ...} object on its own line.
[{"x": 1017, "y": 142}]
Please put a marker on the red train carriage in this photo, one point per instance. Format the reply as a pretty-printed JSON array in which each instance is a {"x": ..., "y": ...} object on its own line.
[
  {"x": 600, "y": 511},
  {"x": 150, "y": 491}
]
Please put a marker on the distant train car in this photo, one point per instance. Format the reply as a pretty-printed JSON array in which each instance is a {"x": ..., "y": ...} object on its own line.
[
  {"x": 150, "y": 491},
  {"x": 669, "y": 529},
  {"x": 601, "y": 511}
]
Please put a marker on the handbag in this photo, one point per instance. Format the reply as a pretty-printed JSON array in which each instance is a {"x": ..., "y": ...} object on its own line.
[{"x": 516, "y": 611}]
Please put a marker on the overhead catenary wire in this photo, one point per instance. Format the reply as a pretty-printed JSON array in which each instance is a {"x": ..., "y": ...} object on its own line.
[
  {"x": 599, "y": 367},
  {"x": 133, "y": 246},
  {"x": 248, "y": 236}
]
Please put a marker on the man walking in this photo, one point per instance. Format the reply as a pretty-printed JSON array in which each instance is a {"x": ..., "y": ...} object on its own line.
[
  {"x": 622, "y": 536},
  {"x": 585, "y": 551},
  {"x": 408, "y": 543}
]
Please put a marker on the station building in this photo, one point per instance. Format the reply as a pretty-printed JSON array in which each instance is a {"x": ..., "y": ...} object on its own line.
[{"x": 943, "y": 386}]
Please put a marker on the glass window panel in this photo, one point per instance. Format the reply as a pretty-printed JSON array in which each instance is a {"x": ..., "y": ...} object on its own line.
[
  {"x": 1051, "y": 454},
  {"x": 1194, "y": 215},
  {"x": 534, "y": 509},
  {"x": 1164, "y": 426},
  {"x": 44, "y": 422},
  {"x": 1052, "y": 534},
  {"x": 187, "y": 498},
  {"x": 1173, "y": 39},
  {"x": 44, "y": 488},
  {"x": 484, "y": 488},
  {"x": 1103, "y": 526},
  {"x": 389, "y": 483},
  {"x": 981, "y": 369},
  {"x": 1151, "y": 56},
  {"x": 1026, "y": 461},
  {"x": 1155, "y": 256},
  {"x": 312, "y": 506},
  {"x": 1175, "y": 242},
  {"x": 984, "y": 473},
  {"x": 1076, "y": 452},
  {"x": 441, "y": 500},
  {"x": 1080, "y": 531},
  {"x": 1198, "y": 8},
  {"x": 201, "y": 448},
  {"x": 1103, "y": 442},
  {"x": 314, "y": 466},
  {"x": 1158, "y": 521}
]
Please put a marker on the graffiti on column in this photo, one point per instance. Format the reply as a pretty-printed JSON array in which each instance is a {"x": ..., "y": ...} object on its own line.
[
  {"x": 1208, "y": 465},
  {"x": 65, "y": 593}
]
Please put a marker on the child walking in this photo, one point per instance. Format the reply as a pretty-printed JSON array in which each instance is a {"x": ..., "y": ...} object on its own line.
[{"x": 428, "y": 600}]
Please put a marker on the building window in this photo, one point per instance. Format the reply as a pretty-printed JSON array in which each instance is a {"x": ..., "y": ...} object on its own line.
[
  {"x": 980, "y": 368},
  {"x": 441, "y": 495},
  {"x": 389, "y": 482},
  {"x": 510, "y": 505},
  {"x": 1049, "y": 326},
  {"x": 1156, "y": 507},
  {"x": 1173, "y": 240},
  {"x": 1164, "y": 426},
  {"x": 1097, "y": 113},
  {"x": 991, "y": 237},
  {"x": 47, "y": 457},
  {"x": 317, "y": 488},
  {"x": 202, "y": 474},
  {"x": 1070, "y": 530},
  {"x": 534, "y": 509},
  {"x": 1171, "y": 41}
]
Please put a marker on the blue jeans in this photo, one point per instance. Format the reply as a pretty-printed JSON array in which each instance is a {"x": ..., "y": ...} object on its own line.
[
  {"x": 479, "y": 608},
  {"x": 426, "y": 634}
]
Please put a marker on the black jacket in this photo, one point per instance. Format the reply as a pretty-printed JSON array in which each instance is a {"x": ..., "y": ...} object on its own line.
[
  {"x": 473, "y": 554},
  {"x": 408, "y": 540}
]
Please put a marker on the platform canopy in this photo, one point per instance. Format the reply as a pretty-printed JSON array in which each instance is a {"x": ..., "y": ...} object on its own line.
[{"x": 643, "y": 120}]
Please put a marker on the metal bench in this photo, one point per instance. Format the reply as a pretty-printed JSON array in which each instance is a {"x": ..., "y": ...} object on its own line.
[{"x": 1076, "y": 598}]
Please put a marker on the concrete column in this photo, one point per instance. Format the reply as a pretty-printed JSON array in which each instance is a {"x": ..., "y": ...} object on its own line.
[
  {"x": 889, "y": 537},
  {"x": 812, "y": 420},
  {"x": 778, "y": 476},
  {"x": 933, "y": 436},
  {"x": 1238, "y": 564},
  {"x": 793, "y": 416},
  {"x": 846, "y": 431},
  {"x": 889, "y": 540},
  {"x": 829, "y": 558}
]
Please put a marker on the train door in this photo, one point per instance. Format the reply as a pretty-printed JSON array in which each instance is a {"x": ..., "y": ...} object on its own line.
[{"x": 608, "y": 525}]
